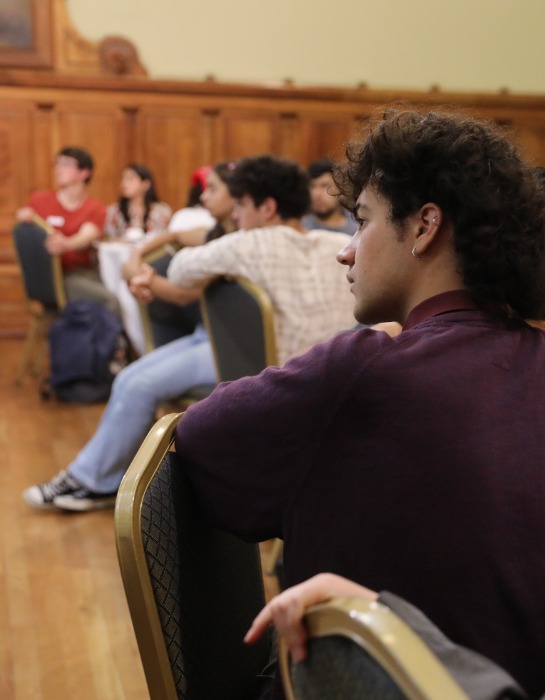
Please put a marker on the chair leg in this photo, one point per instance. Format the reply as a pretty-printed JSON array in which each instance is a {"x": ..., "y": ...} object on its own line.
[
  {"x": 274, "y": 556},
  {"x": 34, "y": 332}
]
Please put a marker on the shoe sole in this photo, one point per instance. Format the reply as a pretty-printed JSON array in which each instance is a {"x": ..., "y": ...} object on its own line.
[{"x": 83, "y": 506}]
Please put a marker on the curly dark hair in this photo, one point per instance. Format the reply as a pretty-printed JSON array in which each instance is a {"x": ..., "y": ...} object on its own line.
[
  {"x": 487, "y": 191},
  {"x": 285, "y": 181},
  {"x": 150, "y": 196}
]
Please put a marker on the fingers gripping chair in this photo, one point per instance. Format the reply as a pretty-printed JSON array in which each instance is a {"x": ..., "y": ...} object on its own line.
[
  {"x": 362, "y": 650},
  {"x": 44, "y": 290},
  {"x": 192, "y": 590}
]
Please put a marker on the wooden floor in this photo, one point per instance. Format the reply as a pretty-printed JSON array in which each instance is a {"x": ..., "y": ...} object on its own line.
[{"x": 65, "y": 630}]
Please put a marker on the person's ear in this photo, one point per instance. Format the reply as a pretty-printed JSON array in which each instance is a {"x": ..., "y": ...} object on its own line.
[
  {"x": 426, "y": 225},
  {"x": 269, "y": 208},
  {"x": 85, "y": 174}
]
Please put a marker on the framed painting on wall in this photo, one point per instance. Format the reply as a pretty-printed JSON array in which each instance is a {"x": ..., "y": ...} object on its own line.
[{"x": 25, "y": 33}]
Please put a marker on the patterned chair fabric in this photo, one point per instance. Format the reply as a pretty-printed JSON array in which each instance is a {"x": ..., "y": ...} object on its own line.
[
  {"x": 206, "y": 585},
  {"x": 337, "y": 668}
]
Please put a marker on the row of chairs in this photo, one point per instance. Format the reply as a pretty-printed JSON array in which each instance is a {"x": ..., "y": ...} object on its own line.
[{"x": 237, "y": 313}]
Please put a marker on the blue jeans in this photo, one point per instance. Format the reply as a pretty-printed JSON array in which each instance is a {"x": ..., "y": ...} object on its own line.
[{"x": 137, "y": 390}]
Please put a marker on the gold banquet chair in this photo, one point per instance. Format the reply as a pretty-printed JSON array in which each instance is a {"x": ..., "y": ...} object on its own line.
[
  {"x": 362, "y": 650},
  {"x": 44, "y": 291},
  {"x": 192, "y": 589},
  {"x": 239, "y": 317},
  {"x": 163, "y": 322}
]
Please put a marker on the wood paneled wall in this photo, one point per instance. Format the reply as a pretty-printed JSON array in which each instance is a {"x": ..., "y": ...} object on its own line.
[{"x": 174, "y": 127}]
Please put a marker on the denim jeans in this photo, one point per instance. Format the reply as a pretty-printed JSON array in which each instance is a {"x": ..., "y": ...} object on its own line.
[{"x": 137, "y": 390}]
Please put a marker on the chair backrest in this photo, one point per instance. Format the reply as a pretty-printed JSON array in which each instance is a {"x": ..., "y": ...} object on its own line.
[
  {"x": 163, "y": 321},
  {"x": 41, "y": 272},
  {"x": 239, "y": 318},
  {"x": 192, "y": 590},
  {"x": 361, "y": 650}
]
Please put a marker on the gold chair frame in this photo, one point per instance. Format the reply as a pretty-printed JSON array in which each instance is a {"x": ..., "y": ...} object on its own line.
[
  {"x": 267, "y": 313},
  {"x": 387, "y": 639},
  {"x": 132, "y": 558}
]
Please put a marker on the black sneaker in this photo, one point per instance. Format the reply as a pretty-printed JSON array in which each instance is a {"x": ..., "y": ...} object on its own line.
[
  {"x": 43, "y": 495},
  {"x": 83, "y": 500}
]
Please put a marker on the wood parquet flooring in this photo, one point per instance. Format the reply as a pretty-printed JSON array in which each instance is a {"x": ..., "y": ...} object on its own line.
[{"x": 65, "y": 630}]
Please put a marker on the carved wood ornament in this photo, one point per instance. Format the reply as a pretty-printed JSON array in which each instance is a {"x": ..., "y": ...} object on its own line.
[{"x": 113, "y": 55}]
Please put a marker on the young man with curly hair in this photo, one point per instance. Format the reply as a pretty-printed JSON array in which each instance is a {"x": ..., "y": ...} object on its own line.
[{"x": 411, "y": 463}]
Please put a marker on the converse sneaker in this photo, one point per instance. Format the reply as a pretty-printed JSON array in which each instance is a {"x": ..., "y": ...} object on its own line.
[
  {"x": 83, "y": 500},
  {"x": 42, "y": 495}
]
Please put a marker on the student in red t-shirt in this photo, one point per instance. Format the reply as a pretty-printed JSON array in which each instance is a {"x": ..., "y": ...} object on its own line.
[{"x": 75, "y": 221}]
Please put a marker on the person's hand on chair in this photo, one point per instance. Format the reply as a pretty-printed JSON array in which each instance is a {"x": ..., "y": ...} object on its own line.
[
  {"x": 24, "y": 214},
  {"x": 287, "y": 609},
  {"x": 140, "y": 284},
  {"x": 57, "y": 244}
]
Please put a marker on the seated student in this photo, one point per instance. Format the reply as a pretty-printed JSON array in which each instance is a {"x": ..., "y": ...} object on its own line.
[
  {"x": 138, "y": 210},
  {"x": 170, "y": 320},
  {"x": 411, "y": 463},
  {"x": 326, "y": 211},
  {"x": 76, "y": 222},
  {"x": 296, "y": 268},
  {"x": 214, "y": 197},
  {"x": 479, "y": 677}
]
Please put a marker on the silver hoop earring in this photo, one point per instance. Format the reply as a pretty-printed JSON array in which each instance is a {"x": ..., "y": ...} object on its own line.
[
  {"x": 434, "y": 220},
  {"x": 414, "y": 253}
]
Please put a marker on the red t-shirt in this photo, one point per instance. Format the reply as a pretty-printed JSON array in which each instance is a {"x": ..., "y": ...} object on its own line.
[{"x": 46, "y": 205}]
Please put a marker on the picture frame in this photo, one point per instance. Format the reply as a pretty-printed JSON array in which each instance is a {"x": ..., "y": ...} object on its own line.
[{"x": 25, "y": 34}]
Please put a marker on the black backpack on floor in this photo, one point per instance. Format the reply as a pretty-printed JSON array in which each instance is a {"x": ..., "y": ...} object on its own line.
[{"x": 87, "y": 348}]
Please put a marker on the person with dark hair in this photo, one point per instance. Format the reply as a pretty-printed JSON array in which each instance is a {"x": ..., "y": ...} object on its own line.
[
  {"x": 193, "y": 225},
  {"x": 190, "y": 225},
  {"x": 411, "y": 463},
  {"x": 297, "y": 270},
  {"x": 326, "y": 211},
  {"x": 74, "y": 222},
  {"x": 138, "y": 208},
  {"x": 273, "y": 249}
]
